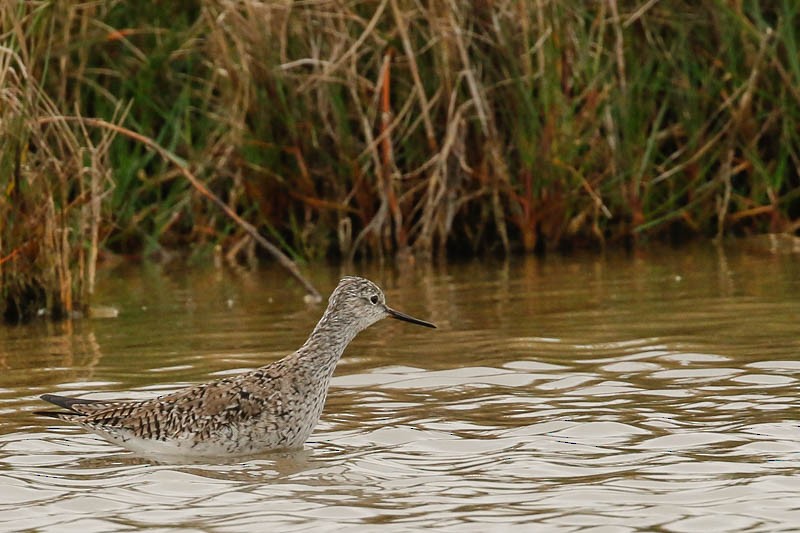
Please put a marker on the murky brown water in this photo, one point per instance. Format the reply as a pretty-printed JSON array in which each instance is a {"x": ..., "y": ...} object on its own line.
[{"x": 649, "y": 393}]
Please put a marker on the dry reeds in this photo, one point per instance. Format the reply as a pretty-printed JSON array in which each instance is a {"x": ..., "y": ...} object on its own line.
[
  {"x": 393, "y": 127},
  {"x": 53, "y": 183},
  {"x": 480, "y": 125}
]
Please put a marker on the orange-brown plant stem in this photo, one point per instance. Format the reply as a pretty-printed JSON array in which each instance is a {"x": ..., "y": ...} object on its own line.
[{"x": 387, "y": 156}]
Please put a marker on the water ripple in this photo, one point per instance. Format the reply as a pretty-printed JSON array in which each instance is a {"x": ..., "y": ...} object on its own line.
[{"x": 613, "y": 395}]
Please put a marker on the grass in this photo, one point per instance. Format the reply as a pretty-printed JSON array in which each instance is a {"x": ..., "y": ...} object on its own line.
[{"x": 385, "y": 128}]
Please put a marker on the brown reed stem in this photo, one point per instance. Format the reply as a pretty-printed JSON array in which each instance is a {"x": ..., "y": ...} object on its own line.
[
  {"x": 273, "y": 250},
  {"x": 387, "y": 156}
]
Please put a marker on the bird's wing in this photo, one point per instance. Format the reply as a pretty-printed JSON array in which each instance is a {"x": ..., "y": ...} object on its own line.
[{"x": 200, "y": 410}]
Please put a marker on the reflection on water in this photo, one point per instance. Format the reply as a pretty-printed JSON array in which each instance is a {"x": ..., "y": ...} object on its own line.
[{"x": 654, "y": 392}]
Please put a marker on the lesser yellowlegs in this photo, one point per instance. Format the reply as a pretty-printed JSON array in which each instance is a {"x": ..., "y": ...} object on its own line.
[{"x": 271, "y": 408}]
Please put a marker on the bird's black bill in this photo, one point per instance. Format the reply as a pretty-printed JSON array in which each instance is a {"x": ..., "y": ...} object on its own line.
[{"x": 402, "y": 316}]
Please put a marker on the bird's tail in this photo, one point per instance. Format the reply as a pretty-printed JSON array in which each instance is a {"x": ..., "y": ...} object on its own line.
[{"x": 67, "y": 403}]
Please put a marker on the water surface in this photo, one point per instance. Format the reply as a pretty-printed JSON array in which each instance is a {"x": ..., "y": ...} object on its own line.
[{"x": 615, "y": 393}]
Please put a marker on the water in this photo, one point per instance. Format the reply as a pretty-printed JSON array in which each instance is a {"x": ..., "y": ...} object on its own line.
[{"x": 656, "y": 392}]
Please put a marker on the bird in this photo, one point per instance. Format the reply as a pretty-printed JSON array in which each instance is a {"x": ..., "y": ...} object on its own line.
[{"x": 272, "y": 408}]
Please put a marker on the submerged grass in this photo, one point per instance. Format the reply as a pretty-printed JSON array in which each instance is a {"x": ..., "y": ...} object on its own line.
[{"x": 390, "y": 127}]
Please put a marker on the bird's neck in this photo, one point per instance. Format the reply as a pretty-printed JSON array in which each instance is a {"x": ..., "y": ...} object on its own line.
[{"x": 326, "y": 343}]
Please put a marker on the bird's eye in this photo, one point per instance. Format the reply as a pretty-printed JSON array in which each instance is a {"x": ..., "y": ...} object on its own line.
[{"x": 373, "y": 299}]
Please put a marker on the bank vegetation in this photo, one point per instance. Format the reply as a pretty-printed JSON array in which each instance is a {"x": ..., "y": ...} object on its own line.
[{"x": 384, "y": 128}]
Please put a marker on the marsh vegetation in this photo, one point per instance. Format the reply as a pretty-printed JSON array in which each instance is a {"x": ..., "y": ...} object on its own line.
[{"x": 382, "y": 128}]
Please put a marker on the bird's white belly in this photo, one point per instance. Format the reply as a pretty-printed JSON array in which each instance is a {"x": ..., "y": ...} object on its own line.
[
  {"x": 191, "y": 447},
  {"x": 229, "y": 441}
]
